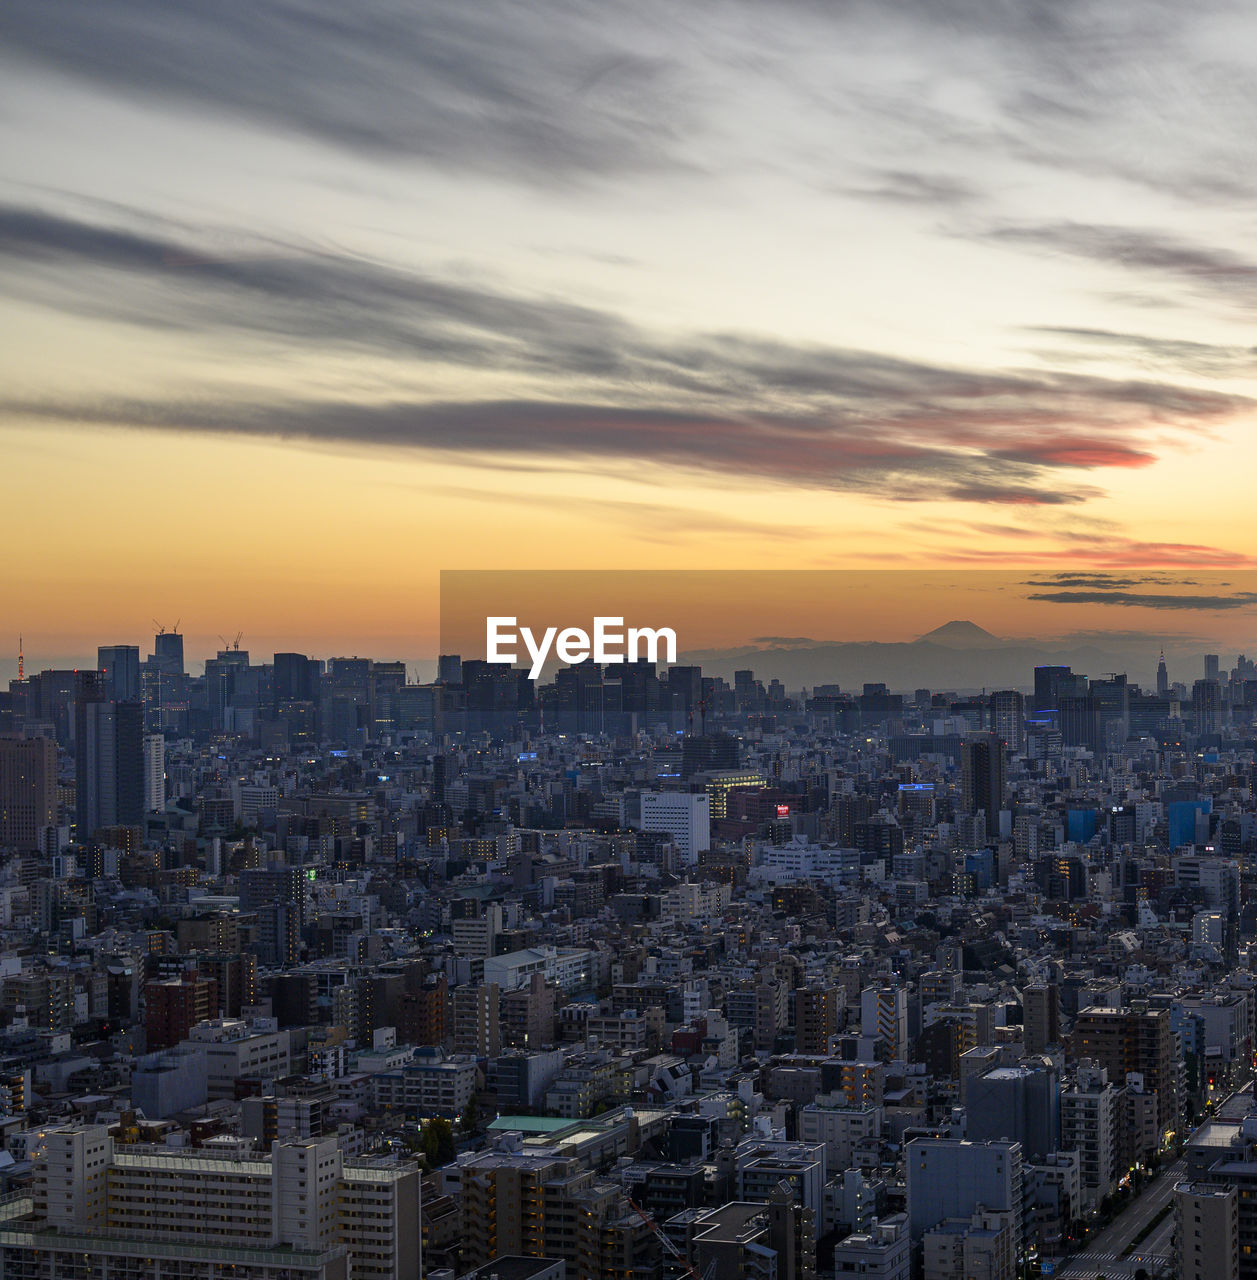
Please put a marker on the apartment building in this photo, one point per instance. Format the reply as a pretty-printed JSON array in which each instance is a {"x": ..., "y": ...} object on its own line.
[{"x": 219, "y": 1212}]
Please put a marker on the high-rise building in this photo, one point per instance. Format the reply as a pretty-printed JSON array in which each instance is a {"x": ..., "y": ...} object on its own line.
[
  {"x": 1016, "y": 1102},
  {"x": 1041, "y": 1011},
  {"x": 1090, "y": 1119},
  {"x": 983, "y": 775},
  {"x": 884, "y": 1016},
  {"x": 168, "y": 652},
  {"x": 1008, "y": 718},
  {"x": 1212, "y": 667},
  {"x": 1048, "y": 682},
  {"x": 119, "y": 664},
  {"x": 109, "y": 759},
  {"x": 815, "y": 1018},
  {"x": 1137, "y": 1040},
  {"x": 683, "y": 815},
  {"x": 172, "y": 1008},
  {"x": 154, "y": 772},
  {"x": 1207, "y": 706},
  {"x": 542, "y": 1205},
  {"x": 28, "y": 791},
  {"x": 477, "y": 1019},
  {"x": 1163, "y": 677},
  {"x": 277, "y": 894},
  {"x": 1206, "y": 1231},
  {"x": 951, "y": 1178}
]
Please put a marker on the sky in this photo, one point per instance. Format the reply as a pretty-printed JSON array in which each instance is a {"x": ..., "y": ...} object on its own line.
[{"x": 303, "y": 303}]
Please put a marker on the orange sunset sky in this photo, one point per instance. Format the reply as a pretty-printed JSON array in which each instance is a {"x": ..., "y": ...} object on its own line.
[{"x": 303, "y": 304}]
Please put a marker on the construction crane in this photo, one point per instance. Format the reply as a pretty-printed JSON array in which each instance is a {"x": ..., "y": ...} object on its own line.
[{"x": 708, "y": 1271}]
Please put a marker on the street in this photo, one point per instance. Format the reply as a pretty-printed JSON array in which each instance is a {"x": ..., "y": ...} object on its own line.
[{"x": 1154, "y": 1254}]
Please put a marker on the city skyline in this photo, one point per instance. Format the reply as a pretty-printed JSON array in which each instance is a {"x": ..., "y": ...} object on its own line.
[{"x": 339, "y": 304}]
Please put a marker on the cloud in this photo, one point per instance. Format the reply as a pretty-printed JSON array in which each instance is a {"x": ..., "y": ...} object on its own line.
[
  {"x": 1210, "y": 269},
  {"x": 529, "y": 90},
  {"x": 1144, "y": 600},
  {"x": 1202, "y": 358},
  {"x": 906, "y": 187},
  {"x": 715, "y": 403}
]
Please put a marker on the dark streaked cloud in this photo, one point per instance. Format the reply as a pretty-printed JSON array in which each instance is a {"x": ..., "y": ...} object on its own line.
[
  {"x": 724, "y": 404},
  {"x": 535, "y": 90},
  {"x": 1146, "y": 600},
  {"x": 1209, "y": 269},
  {"x": 911, "y": 187},
  {"x": 1205, "y": 359}
]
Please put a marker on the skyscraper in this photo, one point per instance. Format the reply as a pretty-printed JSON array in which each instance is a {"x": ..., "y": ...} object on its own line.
[
  {"x": 168, "y": 652},
  {"x": 1207, "y": 706},
  {"x": 1008, "y": 718},
  {"x": 28, "y": 791},
  {"x": 154, "y": 772},
  {"x": 1163, "y": 677},
  {"x": 120, "y": 666},
  {"x": 109, "y": 758},
  {"x": 983, "y": 776}
]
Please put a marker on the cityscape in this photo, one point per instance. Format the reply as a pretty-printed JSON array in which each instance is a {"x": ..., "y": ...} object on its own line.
[
  {"x": 628, "y": 640},
  {"x": 313, "y": 971}
]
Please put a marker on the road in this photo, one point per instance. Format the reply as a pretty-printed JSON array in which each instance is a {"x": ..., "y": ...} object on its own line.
[
  {"x": 1103, "y": 1256},
  {"x": 1155, "y": 1254}
]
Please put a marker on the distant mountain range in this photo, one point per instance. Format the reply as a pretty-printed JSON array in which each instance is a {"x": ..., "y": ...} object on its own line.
[{"x": 959, "y": 656}]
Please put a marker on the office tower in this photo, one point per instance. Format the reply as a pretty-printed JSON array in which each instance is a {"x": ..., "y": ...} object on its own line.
[
  {"x": 1207, "y": 1231},
  {"x": 302, "y": 1210},
  {"x": 1211, "y": 666},
  {"x": 1008, "y": 718},
  {"x": 1136, "y": 1040},
  {"x": 154, "y": 772},
  {"x": 917, "y": 800},
  {"x": 1110, "y": 698},
  {"x": 1023, "y": 1103},
  {"x": 120, "y": 666},
  {"x": 168, "y": 652},
  {"x": 109, "y": 759},
  {"x": 950, "y": 1178},
  {"x": 28, "y": 791},
  {"x": 683, "y": 815},
  {"x": 884, "y": 1016},
  {"x": 1163, "y": 677},
  {"x": 1207, "y": 706},
  {"x": 295, "y": 679},
  {"x": 1041, "y": 1006},
  {"x": 449, "y": 669},
  {"x": 707, "y": 753},
  {"x": 983, "y": 773},
  {"x": 1047, "y": 686}
]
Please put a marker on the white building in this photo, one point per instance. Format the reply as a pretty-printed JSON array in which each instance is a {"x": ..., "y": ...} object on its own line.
[
  {"x": 220, "y": 1212},
  {"x": 683, "y": 815},
  {"x": 235, "y": 1049}
]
